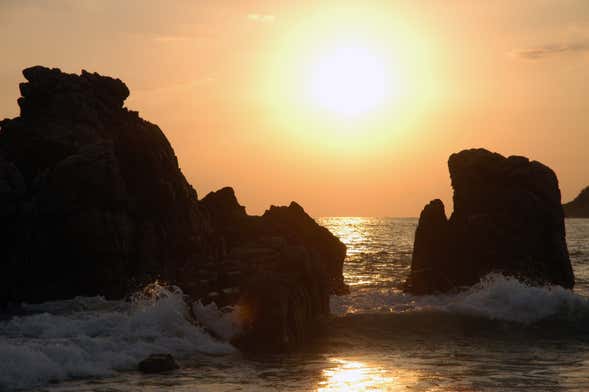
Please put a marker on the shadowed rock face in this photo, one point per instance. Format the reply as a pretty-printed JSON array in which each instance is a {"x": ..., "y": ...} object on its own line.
[
  {"x": 92, "y": 202},
  {"x": 578, "y": 208},
  {"x": 431, "y": 243},
  {"x": 507, "y": 218},
  {"x": 280, "y": 267}
]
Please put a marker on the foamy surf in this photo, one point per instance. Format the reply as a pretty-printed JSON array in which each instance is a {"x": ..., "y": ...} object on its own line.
[
  {"x": 223, "y": 323},
  {"x": 496, "y": 297},
  {"x": 92, "y": 337}
]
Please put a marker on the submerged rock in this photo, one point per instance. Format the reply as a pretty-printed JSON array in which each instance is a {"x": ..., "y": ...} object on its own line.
[
  {"x": 579, "y": 207},
  {"x": 158, "y": 363},
  {"x": 507, "y": 218}
]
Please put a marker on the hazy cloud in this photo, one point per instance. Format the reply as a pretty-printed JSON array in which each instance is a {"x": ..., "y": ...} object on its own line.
[
  {"x": 553, "y": 50},
  {"x": 178, "y": 87},
  {"x": 171, "y": 38}
]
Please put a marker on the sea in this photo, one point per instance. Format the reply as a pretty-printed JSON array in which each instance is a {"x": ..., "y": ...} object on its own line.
[{"x": 500, "y": 335}]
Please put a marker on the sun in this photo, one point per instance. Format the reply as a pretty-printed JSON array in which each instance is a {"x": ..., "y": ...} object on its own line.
[{"x": 349, "y": 81}]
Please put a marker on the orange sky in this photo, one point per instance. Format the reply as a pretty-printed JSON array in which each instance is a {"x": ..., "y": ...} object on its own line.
[{"x": 227, "y": 82}]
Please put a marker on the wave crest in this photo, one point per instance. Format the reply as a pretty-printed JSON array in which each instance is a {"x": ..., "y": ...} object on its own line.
[
  {"x": 496, "y": 297},
  {"x": 90, "y": 337}
]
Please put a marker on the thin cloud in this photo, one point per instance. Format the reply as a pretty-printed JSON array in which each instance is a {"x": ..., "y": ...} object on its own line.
[
  {"x": 546, "y": 51},
  {"x": 261, "y": 18}
]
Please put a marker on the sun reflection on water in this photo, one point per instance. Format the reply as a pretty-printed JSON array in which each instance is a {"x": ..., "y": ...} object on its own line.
[
  {"x": 351, "y": 231},
  {"x": 348, "y": 375},
  {"x": 378, "y": 249}
]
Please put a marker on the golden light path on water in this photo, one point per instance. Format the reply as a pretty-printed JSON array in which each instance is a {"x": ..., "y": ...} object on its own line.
[
  {"x": 351, "y": 231},
  {"x": 378, "y": 249},
  {"x": 352, "y": 374},
  {"x": 349, "y": 375}
]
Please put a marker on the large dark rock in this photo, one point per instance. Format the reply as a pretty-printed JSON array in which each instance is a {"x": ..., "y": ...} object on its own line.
[
  {"x": 298, "y": 228},
  {"x": 93, "y": 199},
  {"x": 507, "y": 218},
  {"x": 578, "y": 208},
  {"x": 92, "y": 202}
]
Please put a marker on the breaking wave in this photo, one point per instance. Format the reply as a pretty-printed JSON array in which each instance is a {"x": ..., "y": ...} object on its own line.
[
  {"x": 496, "y": 297},
  {"x": 93, "y": 337}
]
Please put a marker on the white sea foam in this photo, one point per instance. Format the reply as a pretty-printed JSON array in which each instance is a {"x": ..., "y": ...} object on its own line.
[
  {"x": 88, "y": 337},
  {"x": 506, "y": 298},
  {"x": 496, "y": 297},
  {"x": 224, "y": 323}
]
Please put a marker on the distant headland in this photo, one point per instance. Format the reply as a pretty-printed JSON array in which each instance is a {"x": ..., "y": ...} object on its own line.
[{"x": 579, "y": 207}]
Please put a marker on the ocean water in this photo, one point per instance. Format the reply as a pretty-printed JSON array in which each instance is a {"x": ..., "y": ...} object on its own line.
[{"x": 500, "y": 335}]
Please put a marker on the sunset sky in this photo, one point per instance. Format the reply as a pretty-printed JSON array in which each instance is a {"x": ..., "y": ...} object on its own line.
[{"x": 350, "y": 108}]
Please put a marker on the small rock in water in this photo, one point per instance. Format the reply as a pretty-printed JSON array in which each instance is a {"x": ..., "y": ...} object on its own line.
[{"x": 157, "y": 363}]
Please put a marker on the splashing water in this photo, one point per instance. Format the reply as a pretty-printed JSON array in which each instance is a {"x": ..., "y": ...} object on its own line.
[
  {"x": 496, "y": 297},
  {"x": 90, "y": 337}
]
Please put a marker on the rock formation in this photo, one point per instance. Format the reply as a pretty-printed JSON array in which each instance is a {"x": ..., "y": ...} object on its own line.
[
  {"x": 280, "y": 267},
  {"x": 578, "y": 208},
  {"x": 92, "y": 202},
  {"x": 507, "y": 218}
]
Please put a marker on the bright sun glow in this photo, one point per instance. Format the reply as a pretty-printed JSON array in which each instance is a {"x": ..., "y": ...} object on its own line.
[
  {"x": 346, "y": 81},
  {"x": 349, "y": 81}
]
